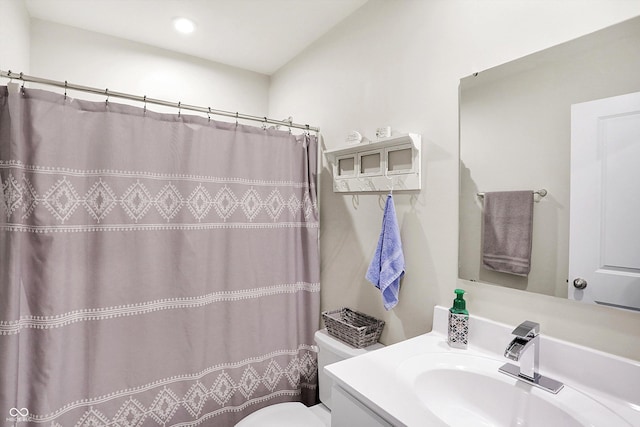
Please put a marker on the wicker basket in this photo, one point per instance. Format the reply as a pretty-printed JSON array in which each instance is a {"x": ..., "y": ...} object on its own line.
[{"x": 356, "y": 329}]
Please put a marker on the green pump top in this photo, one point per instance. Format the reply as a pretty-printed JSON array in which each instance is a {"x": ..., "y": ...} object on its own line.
[{"x": 459, "y": 304}]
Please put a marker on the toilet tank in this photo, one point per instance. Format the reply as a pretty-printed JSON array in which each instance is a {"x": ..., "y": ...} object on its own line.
[{"x": 332, "y": 350}]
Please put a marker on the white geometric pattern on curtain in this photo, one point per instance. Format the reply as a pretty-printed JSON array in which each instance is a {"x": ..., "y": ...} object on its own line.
[{"x": 155, "y": 269}]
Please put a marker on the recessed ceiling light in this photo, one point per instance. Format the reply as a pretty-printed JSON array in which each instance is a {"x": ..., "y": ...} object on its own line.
[{"x": 184, "y": 25}]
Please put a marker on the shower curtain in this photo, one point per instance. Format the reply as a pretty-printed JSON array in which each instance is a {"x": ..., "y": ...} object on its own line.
[{"x": 155, "y": 269}]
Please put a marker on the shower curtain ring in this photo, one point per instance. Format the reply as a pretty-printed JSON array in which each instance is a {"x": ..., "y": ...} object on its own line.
[
  {"x": 144, "y": 99},
  {"x": 22, "y": 87},
  {"x": 236, "y": 119},
  {"x": 179, "y": 109},
  {"x": 209, "y": 114},
  {"x": 65, "y": 90},
  {"x": 106, "y": 92},
  {"x": 264, "y": 124}
]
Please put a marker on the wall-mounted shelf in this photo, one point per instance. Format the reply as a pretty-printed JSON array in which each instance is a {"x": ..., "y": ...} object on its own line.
[{"x": 382, "y": 165}]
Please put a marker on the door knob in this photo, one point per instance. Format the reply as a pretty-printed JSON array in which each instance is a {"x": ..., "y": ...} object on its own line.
[{"x": 579, "y": 283}]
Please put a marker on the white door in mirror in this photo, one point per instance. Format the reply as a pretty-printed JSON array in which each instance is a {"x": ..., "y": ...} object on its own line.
[{"x": 605, "y": 202}]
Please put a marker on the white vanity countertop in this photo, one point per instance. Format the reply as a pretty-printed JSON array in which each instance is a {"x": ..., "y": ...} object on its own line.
[{"x": 372, "y": 377}]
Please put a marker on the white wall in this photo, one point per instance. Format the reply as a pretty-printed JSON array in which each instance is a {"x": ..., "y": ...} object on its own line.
[
  {"x": 62, "y": 53},
  {"x": 14, "y": 36},
  {"x": 399, "y": 64}
]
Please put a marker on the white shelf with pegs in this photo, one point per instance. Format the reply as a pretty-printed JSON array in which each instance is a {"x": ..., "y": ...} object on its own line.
[{"x": 386, "y": 164}]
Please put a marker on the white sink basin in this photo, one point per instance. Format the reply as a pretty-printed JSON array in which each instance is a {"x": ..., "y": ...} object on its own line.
[
  {"x": 424, "y": 382},
  {"x": 467, "y": 390}
]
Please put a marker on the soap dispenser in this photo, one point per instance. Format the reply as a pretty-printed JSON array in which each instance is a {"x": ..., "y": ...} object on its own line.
[{"x": 458, "y": 336}]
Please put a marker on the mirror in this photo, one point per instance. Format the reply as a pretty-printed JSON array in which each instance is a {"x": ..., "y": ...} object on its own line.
[{"x": 515, "y": 134}]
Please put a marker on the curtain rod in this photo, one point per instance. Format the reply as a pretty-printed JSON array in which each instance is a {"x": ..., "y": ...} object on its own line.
[{"x": 145, "y": 99}]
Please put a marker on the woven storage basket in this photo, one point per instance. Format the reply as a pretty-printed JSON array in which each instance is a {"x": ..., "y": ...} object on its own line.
[{"x": 356, "y": 329}]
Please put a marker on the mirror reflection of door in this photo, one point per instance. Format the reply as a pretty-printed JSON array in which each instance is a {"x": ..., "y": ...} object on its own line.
[{"x": 604, "y": 255}]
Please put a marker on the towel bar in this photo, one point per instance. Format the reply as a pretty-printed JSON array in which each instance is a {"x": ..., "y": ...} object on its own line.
[{"x": 542, "y": 192}]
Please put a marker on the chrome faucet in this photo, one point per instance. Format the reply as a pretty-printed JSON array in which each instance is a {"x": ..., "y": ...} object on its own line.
[{"x": 525, "y": 348}]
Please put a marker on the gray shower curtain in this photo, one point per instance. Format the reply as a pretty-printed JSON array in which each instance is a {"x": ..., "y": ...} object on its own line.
[{"x": 155, "y": 269}]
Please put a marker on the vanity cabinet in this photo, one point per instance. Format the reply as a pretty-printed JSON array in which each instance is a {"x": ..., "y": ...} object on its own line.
[{"x": 347, "y": 411}]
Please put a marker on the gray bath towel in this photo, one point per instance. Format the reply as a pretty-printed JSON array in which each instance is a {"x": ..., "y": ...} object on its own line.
[{"x": 507, "y": 234}]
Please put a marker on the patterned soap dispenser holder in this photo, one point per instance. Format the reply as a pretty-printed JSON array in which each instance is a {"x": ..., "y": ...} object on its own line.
[{"x": 458, "y": 336}]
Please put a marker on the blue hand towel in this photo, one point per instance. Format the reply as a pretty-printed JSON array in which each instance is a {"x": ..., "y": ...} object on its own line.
[{"x": 387, "y": 266}]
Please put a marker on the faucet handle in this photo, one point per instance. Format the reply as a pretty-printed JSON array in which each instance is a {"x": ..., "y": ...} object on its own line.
[{"x": 527, "y": 329}]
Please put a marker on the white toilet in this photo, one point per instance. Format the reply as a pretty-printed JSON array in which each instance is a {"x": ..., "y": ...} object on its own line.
[{"x": 295, "y": 414}]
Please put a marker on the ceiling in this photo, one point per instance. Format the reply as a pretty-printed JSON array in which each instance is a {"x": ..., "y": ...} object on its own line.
[{"x": 257, "y": 35}]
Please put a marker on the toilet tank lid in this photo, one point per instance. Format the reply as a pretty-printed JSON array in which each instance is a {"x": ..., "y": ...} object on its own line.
[{"x": 342, "y": 349}]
